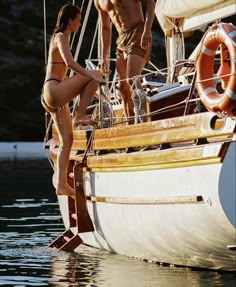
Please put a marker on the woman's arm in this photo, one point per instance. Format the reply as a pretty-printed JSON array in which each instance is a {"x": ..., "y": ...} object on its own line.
[{"x": 65, "y": 52}]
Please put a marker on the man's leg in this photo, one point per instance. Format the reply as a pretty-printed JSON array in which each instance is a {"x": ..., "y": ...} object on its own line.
[
  {"x": 124, "y": 87},
  {"x": 135, "y": 64}
]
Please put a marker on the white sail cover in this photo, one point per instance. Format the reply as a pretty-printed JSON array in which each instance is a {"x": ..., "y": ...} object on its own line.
[
  {"x": 193, "y": 13},
  {"x": 186, "y": 8}
]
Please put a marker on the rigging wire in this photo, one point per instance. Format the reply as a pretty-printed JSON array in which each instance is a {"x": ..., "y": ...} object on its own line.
[
  {"x": 73, "y": 38},
  {"x": 94, "y": 38},
  {"x": 82, "y": 32},
  {"x": 45, "y": 32}
]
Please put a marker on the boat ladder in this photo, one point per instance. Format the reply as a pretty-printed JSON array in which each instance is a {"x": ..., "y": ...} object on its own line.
[{"x": 79, "y": 217}]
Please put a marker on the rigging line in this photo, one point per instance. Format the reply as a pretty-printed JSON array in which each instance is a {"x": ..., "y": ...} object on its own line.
[
  {"x": 94, "y": 38},
  {"x": 50, "y": 161},
  {"x": 216, "y": 77},
  {"x": 160, "y": 71},
  {"x": 82, "y": 33},
  {"x": 82, "y": 5},
  {"x": 165, "y": 108},
  {"x": 162, "y": 109},
  {"x": 157, "y": 69},
  {"x": 135, "y": 78},
  {"x": 45, "y": 32},
  {"x": 172, "y": 106},
  {"x": 190, "y": 94},
  {"x": 73, "y": 38},
  {"x": 48, "y": 125},
  {"x": 89, "y": 145}
]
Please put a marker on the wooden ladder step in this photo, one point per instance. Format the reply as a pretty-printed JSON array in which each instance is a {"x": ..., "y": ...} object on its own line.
[
  {"x": 84, "y": 222},
  {"x": 74, "y": 216},
  {"x": 71, "y": 175},
  {"x": 67, "y": 241},
  {"x": 78, "y": 214}
]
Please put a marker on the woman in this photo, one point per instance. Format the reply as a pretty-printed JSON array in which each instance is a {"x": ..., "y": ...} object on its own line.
[{"x": 58, "y": 90}]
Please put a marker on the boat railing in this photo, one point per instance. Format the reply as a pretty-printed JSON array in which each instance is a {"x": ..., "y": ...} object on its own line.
[
  {"x": 108, "y": 108},
  {"x": 108, "y": 97}
]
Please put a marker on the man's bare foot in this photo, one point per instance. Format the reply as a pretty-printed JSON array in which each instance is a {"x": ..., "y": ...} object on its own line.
[{"x": 65, "y": 190}]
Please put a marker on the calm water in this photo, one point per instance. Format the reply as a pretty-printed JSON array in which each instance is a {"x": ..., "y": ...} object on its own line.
[{"x": 30, "y": 220}]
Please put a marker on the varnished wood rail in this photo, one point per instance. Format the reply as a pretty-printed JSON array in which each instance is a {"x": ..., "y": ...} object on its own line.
[{"x": 174, "y": 130}]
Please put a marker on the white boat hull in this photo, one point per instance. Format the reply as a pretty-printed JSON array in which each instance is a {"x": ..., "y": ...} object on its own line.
[{"x": 182, "y": 216}]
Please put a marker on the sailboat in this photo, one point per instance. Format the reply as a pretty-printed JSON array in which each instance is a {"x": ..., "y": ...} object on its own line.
[{"x": 164, "y": 189}]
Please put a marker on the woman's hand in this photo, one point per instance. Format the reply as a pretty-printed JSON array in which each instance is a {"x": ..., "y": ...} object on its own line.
[{"x": 97, "y": 76}]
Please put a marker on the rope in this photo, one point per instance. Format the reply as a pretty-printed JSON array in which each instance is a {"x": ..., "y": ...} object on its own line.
[
  {"x": 89, "y": 144},
  {"x": 216, "y": 78},
  {"x": 162, "y": 109},
  {"x": 139, "y": 99},
  {"x": 48, "y": 125},
  {"x": 186, "y": 110}
]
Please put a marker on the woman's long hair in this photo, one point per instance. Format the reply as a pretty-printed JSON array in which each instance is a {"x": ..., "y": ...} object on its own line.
[{"x": 66, "y": 13}]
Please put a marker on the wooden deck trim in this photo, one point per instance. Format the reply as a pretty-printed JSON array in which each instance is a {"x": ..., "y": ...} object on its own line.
[
  {"x": 156, "y": 166},
  {"x": 173, "y": 130},
  {"x": 149, "y": 160}
]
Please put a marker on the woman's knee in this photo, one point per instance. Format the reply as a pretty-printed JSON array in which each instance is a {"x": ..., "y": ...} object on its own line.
[{"x": 94, "y": 84}]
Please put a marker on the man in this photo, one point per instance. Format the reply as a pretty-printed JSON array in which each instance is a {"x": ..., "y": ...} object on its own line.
[{"x": 133, "y": 43}]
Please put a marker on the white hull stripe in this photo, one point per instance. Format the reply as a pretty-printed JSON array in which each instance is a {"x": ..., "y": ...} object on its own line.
[
  {"x": 145, "y": 201},
  {"x": 231, "y": 94}
]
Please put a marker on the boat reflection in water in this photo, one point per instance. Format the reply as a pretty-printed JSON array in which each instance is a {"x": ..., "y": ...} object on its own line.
[
  {"x": 93, "y": 267},
  {"x": 30, "y": 220}
]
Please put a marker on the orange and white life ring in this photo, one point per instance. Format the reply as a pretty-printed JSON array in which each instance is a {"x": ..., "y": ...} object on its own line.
[{"x": 223, "y": 35}]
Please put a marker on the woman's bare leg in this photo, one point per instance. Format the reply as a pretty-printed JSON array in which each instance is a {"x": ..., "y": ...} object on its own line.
[
  {"x": 62, "y": 120},
  {"x": 86, "y": 96},
  {"x": 64, "y": 92}
]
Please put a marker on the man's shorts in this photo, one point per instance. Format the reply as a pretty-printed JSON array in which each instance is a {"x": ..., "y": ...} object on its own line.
[{"x": 128, "y": 42}]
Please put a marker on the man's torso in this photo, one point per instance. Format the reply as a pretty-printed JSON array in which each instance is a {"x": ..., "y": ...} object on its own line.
[{"x": 124, "y": 14}]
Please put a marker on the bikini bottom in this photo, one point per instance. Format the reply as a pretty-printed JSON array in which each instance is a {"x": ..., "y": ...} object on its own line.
[{"x": 44, "y": 104}]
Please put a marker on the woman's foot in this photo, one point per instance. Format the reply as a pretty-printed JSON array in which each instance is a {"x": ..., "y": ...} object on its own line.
[{"x": 65, "y": 190}]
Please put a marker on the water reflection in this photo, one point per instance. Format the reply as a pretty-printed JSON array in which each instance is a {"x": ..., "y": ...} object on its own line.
[{"x": 30, "y": 220}]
